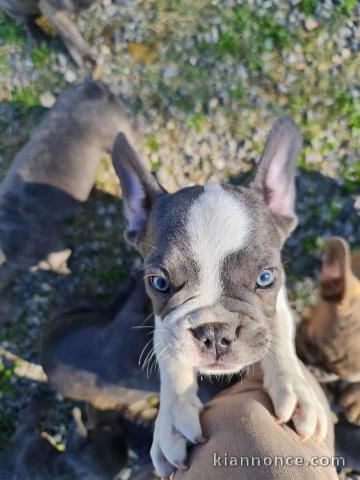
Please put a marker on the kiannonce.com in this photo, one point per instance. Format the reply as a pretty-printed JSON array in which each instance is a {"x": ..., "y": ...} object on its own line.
[{"x": 227, "y": 460}]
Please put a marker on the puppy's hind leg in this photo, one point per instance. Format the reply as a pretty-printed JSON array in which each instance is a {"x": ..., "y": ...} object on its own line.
[{"x": 67, "y": 30}]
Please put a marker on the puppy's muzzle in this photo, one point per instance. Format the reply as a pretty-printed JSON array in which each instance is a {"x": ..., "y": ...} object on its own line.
[{"x": 215, "y": 338}]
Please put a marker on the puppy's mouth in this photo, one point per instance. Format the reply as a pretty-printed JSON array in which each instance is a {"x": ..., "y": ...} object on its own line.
[{"x": 219, "y": 368}]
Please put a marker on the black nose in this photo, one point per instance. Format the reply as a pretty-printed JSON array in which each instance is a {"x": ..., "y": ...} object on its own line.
[{"x": 216, "y": 337}]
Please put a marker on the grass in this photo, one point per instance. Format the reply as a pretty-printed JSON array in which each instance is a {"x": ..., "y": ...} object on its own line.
[
  {"x": 308, "y": 6},
  {"x": 345, "y": 7},
  {"x": 40, "y": 56},
  {"x": 27, "y": 97},
  {"x": 346, "y": 105},
  {"x": 10, "y": 31},
  {"x": 6, "y": 388},
  {"x": 246, "y": 35},
  {"x": 350, "y": 174}
]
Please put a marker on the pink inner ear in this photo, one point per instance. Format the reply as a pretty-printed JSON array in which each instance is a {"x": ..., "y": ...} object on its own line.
[{"x": 281, "y": 191}]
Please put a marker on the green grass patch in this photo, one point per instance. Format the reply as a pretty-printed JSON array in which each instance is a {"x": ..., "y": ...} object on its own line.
[
  {"x": 6, "y": 374},
  {"x": 196, "y": 121},
  {"x": 248, "y": 35},
  {"x": 308, "y": 6},
  {"x": 152, "y": 143},
  {"x": 26, "y": 96},
  {"x": 6, "y": 388},
  {"x": 10, "y": 31},
  {"x": 40, "y": 56},
  {"x": 350, "y": 174},
  {"x": 334, "y": 207},
  {"x": 4, "y": 64},
  {"x": 345, "y": 7},
  {"x": 309, "y": 244},
  {"x": 348, "y": 106},
  {"x": 108, "y": 275},
  {"x": 25, "y": 100}
]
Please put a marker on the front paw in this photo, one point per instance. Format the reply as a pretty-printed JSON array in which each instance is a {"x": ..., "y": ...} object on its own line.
[
  {"x": 294, "y": 399},
  {"x": 177, "y": 422}
]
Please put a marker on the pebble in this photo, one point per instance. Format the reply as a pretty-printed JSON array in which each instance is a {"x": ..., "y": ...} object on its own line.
[
  {"x": 70, "y": 76},
  {"x": 311, "y": 24},
  {"x": 47, "y": 99}
]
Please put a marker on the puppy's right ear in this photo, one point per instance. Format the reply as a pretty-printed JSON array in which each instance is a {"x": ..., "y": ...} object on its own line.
[
  {"x": 335, "y": 273},
  {"x": 139, "y": 187},
  {"x": 275, "y": 175}
]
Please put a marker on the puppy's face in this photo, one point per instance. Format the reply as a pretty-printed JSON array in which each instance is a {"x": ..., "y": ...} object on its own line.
[
  {"x": 213, "y": 271},
  {"x": 212, "y": 255}
]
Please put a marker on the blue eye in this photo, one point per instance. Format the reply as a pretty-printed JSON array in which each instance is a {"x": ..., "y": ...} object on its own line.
[
  {"x": 266, "y": 278},
  {"x": 159, "y": 283}
]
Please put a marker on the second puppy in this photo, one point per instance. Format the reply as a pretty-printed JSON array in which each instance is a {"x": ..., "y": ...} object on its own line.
[{"x": 330, "y": 335}]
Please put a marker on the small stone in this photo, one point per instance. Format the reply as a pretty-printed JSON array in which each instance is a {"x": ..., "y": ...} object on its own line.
[
  {"x": 310, "y": 24},
  {"x": 70, "y": 76},
  {"x": 213, "y": 103},
  {"x": 125, "y": 474},
  {"x": 171, "y": 71},
  {"x": 47, "y": 99},
  {"x": 346, "y": 53}
]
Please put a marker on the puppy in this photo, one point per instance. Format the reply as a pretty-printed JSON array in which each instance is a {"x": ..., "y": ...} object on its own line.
[
  {"x": 214, "y": 274},
  {"x": 330, "y": 335},
  {"x": 55, "y": 171}
]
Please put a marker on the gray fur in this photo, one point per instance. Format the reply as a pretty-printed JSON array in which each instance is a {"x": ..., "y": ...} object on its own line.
[
  {"x": 163, "y": 240},
  {"x": 91, "y": 353},
  {"x": 54, "y": 172}
]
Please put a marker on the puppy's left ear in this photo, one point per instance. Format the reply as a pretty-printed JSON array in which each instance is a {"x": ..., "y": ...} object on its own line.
[
  {"x": 275, "y": 175},
  {"x": 139, "y": 187}
]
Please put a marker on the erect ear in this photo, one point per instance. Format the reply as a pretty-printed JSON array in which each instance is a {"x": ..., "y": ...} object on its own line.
[
  {"x": 275, "y": 175},
  {"x": 139, "y": 187},
  {"x": 335, "y": 273}
]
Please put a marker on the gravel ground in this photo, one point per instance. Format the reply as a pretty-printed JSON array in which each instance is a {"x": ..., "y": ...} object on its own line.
[{"x": 204, "y": 81}]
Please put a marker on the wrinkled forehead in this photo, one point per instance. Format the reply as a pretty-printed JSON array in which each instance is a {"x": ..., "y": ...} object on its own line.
[{"x": 203, "y": 225}]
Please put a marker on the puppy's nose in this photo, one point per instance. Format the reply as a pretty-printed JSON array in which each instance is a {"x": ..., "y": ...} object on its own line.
[{"x": 216, "y": 337}]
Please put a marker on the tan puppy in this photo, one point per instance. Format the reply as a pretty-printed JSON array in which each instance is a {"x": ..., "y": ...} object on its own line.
[{"x": 331, "y": 333}]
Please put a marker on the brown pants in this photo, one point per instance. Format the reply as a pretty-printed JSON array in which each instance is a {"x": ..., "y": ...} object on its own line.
[{"x": 246, "y": 443}]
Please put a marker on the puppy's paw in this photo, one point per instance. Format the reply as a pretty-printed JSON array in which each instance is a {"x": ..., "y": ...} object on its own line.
[
  {"x": 177, "y": 422},
  {"x": 294, "y": 399},
  {"x": 350, "y": 402}
]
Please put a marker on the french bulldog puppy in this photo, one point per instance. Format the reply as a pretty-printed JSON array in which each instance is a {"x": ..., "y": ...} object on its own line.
[
  {"x": 213, "y": 271},
  {"x": 329, "y": 336},
  {"x": 57, "y": 11},
  {"x": 55, "y": 171}
]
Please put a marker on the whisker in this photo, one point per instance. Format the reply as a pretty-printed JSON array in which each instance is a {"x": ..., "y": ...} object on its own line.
[
  {"x": 143, "y": 351},
  {"x": 149, "y": 355}
]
